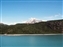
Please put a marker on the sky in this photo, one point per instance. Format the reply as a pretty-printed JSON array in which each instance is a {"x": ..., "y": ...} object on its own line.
[{"x": 19, "y": 11}]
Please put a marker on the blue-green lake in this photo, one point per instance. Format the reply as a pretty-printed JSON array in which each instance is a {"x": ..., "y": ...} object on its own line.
[{"x": 31, "y": 41}]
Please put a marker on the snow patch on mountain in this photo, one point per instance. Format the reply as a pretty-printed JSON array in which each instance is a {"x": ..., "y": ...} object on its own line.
[
  {"x": 29, "y": 21},
  {"x": 33, "y": 20}
]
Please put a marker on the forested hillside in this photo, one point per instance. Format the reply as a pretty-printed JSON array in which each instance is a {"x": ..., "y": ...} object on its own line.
[{"x": 53, "y": 26}]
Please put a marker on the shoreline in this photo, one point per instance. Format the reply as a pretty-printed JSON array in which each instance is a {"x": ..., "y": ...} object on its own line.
[{"x": 26, "y": 34}]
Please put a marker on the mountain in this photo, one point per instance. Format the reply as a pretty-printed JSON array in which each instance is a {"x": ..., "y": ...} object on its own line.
[
  {"x": 33, "y": 20},
  {"x": 52, "y": 26}
]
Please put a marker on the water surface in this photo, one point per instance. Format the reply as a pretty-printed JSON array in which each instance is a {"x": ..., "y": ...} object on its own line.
[{"x": 31, "y": 41}]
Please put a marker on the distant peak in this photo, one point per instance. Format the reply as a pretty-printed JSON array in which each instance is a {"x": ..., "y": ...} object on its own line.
[{"x": 33, "y": 20}]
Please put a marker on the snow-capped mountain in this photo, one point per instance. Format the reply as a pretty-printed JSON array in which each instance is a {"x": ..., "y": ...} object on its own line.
[
  {"x": 33, "y": 20},
  {"x": 30, "y": 21}
]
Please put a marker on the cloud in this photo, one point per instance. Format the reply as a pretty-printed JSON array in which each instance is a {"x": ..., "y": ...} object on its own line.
[
  {"x": 33, "y": 20},
  {"x": 53, "y": 17},
  {"x": 23, "y": 21},
  {"x": 62, "y": 16},
  {"x": 9, "y": 23},
  {"x": 58, "y": 15}
]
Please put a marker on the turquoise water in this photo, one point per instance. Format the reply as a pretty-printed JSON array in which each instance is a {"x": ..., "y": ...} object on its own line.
[{"x": 31, "y": 41}]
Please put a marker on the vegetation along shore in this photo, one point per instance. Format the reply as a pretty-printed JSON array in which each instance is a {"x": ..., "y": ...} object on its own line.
[{"x": 48, "y": 27}]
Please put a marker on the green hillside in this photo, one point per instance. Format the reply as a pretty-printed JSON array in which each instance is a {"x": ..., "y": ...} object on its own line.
[{"x": 53, "y": 26}]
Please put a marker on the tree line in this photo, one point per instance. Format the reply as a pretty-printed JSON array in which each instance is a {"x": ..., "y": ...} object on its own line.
[{"x": 53, "y": 26}]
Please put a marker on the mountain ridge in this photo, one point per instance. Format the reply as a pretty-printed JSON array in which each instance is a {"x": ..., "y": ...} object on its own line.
[{"x": 53, "y": 26}]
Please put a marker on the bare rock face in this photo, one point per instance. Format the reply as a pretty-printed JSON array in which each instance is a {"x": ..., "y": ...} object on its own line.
[{"x": 56, "y": 25}]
